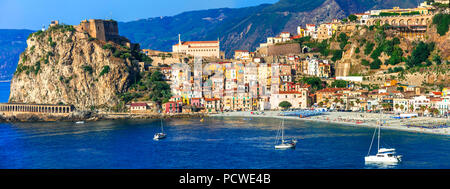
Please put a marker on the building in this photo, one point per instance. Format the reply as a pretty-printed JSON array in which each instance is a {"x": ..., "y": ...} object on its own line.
[
  {"x": 298, "y": 99},
  {"x": 198, "y": 48},
  {"x": 105, "y": 30},
  {"x": 311, "y": 30},
  {"x": 325, "y": 31},
  {"x": 54, "y": 23},
  {"x": 242, "y": 55},
  {"x": 172, "y": 107},
  {"x": 212, "y": 105}
]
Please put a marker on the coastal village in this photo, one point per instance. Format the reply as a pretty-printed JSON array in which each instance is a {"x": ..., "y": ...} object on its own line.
[
  {"x": 259, "y": 81},
  {"x": 281, "y": 74}
]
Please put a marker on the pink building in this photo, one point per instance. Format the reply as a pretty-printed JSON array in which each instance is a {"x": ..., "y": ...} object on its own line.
[{"x": 171, "y": 107}]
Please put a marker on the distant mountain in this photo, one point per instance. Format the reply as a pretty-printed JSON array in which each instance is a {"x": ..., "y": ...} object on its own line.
[
  {"x": 245, "y": 28},
  {"x": 12, "y": 43}
]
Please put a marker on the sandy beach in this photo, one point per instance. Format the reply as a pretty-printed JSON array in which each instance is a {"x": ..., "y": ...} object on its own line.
[{"x": 358, "y": 119}]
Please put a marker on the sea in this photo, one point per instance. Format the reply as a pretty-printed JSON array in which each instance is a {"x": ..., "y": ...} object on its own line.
[{"x": 215, "y": 143}]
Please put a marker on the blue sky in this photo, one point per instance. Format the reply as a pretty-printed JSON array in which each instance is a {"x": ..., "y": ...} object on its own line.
[{"x": 32, "y": 14}]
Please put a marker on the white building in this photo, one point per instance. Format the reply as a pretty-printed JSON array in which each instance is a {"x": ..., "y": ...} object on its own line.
[
  {"x": 311, "y": 30},
  {"x": 198, "y": 48}
]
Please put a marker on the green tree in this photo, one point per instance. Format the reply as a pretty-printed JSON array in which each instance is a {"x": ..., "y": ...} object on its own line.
[
  {"x": 442, "y": 22},
  {"x": 437, "y": 59},
  {"x": 337, "y": 55},
  {"x": 285, "y": 105},
  {"x": 339, "y": 84},
  {"x": 352, "y": 17},
  {"x": 376, "y": 64},
  {"x": 420, "y": 54},
  {"x": 368, "y": 48},
  {"x": 315, "y": 82}
]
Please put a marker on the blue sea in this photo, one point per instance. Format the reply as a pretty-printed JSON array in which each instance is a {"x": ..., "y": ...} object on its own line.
[
  {"x": 4, "y": 91},
  {"x": 216, "y": 143}
]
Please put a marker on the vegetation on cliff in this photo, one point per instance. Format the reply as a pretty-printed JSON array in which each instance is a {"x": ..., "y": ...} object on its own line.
[
  {"x": 442, "y": 22},
  {"x": 149, "y": 86}
]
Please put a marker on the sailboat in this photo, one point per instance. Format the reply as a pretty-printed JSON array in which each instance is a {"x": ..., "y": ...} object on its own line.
[
  {"x": 384, "y": 155},
  {"x": 160, "y": 135},
  {"x": 285, "y": 144}
]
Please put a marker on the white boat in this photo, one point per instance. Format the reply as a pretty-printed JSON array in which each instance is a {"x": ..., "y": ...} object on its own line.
[
  {"x": 285, "y": 144},
  {"x": 79, "y": 122},
  {"x": 384, "y": 155},
  {"x": 160, "y": 135}
]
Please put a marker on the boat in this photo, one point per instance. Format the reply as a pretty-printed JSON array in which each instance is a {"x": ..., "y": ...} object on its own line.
[
  {"x": 384, "y": 155},
  {"x": 79, "y": 122},
  {"x": 202, "y": 120},
  {"x": 160, "y": 135},
  {"x": 285, "y": 144}
]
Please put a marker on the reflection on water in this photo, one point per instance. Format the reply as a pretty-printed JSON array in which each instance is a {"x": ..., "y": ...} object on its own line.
[
  {"x": 380, "y": 165},
  {"x": 215, "y": 143}
]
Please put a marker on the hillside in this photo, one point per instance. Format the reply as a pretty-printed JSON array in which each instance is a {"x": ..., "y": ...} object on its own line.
[
  {"x": 379, "y": 54},
  {"x": 12, "y": 43},
  {"x": 244, "y": 28},
  {"x": 64, "y": 66}
]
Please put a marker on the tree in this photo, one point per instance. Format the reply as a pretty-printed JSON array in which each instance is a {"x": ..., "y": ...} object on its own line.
[
  {"x": 339, "y": 84},
  {"x": 352, "y": 17},
  {"x": 285, "y": 105},
  {"x": 320, "y": 104},
  {"x": 337, "y": 55},
  {"x": 315, "y": 82},
  {"x": 420, "y": 54},
  {"x": 376, "y": 64},
  {"x": 442, "y": 22},
  {"x": 368, "y": 48}
]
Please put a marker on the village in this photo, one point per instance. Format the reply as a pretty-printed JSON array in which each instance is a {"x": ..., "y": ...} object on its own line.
[{"x": 282, "y": 74}]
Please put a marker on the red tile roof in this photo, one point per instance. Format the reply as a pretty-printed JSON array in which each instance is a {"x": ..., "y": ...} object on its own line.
[{"x": 138, "y": 104}]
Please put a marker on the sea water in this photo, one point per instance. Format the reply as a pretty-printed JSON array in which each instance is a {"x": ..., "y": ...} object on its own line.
[{"x": 215, "y": 143}]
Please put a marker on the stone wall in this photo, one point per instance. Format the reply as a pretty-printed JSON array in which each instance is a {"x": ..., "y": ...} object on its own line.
[
  {"x": 283, "y": 49},
  {"x": 106, "y": 30}
]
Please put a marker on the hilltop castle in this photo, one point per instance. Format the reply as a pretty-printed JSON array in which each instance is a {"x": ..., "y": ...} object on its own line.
[{"x": 106, "y": 30}]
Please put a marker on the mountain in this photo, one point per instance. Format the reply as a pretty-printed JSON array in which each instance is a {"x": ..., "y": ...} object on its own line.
[
  {"x": 66, "y": 66},
  {"x": 245, "y": 28},
  {"x": 12, "y": 43}
]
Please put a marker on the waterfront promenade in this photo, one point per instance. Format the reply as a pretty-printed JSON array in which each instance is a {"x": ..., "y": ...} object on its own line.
[{"x": 358, "y": 119}]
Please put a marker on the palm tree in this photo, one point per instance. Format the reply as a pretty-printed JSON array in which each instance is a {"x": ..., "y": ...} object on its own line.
[
  {"x": 396, "y": 106},
  {"x": 422, "y": 109},
  {"x": 402, "y": 107}
]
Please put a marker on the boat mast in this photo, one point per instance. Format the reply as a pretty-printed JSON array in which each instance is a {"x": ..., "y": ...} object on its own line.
[
  {"x": 379, "y": 130},
  {"x": 282, "y": 130}
]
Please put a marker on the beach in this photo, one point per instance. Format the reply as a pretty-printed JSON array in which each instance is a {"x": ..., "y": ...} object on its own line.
[{"x": 357, "y": 119}]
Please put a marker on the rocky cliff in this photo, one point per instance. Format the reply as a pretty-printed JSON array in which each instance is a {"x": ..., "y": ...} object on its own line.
[{"x": 66, "y": 66}]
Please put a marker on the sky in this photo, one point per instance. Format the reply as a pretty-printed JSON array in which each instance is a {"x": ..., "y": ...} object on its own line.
[{"x": 33, "y": 14}]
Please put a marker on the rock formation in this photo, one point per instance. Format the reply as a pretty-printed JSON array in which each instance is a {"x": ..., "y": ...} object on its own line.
[{"x": 65, "y": 65}]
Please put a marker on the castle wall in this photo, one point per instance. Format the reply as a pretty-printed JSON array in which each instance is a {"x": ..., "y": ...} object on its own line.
[
  {"x": 285, "y": 49},
  {"x": 104, "y": 30}
]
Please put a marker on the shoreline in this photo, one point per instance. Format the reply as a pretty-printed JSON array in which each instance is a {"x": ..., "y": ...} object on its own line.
[
  {"x": 355, "y": 119},
  {"x": 89, "y": 116}
]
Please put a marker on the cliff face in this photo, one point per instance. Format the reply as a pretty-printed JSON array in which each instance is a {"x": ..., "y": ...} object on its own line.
[
  {"x": 440, "y": 41},
  {"x": 65, "y": 66}
]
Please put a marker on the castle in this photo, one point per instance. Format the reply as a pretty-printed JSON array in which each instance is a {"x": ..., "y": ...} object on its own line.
[{"x": 106, "y": 30}]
